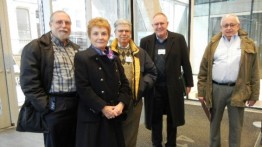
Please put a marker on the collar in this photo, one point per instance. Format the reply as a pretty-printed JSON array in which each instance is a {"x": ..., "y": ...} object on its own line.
[
  {"x": 124, "y": 47},
  {"x": 108, "y": 52},
  {"x": 162, "y": 40},
  {"x": 132, "y": 46},
  {"x": 233, "y": 37}
]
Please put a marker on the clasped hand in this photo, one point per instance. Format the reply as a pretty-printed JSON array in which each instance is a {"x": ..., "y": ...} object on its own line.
[{"x": 113, "y": 111}]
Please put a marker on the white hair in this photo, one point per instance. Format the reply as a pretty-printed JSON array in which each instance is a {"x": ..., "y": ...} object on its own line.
[{"x": 229, "y": 15}]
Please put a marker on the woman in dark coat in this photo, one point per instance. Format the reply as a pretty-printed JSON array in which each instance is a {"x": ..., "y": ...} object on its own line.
[{"x": 103, "y": 90}]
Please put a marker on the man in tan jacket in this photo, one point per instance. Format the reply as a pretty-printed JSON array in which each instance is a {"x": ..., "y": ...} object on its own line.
[{"x": 229, "y": 77}]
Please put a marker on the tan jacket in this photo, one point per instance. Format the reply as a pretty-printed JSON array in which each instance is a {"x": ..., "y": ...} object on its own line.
[{"x": 248, "y": 82}]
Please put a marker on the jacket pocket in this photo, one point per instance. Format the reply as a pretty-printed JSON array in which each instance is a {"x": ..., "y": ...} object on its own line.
[{"x": 245, "y": 92}]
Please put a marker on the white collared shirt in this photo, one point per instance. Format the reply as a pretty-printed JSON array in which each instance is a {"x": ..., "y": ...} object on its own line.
[
  {"x": 227, "y": 60},
  {"x": 123, "y": 46}
]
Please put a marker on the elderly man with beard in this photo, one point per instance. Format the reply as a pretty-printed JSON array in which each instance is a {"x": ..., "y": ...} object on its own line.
[{"x": 48, "y": 82}]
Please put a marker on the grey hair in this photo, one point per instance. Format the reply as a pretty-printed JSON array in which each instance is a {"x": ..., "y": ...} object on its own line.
[
  {"x": 229, "y": 15},
  {"x": 58, "y": 11},
  {"x": 122, "y": 22}
]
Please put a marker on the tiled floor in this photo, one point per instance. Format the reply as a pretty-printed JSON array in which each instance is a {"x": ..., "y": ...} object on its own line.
[
  {"x": 11, "y": 138},
  {"x": 187, "y": 134}
]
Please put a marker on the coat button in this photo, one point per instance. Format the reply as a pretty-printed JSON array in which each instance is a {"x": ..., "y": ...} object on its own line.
[
  {"x": 92, "y": 110},
  {"x": 101, "y": 79},
  {"x": 96, "y": 58},
  {"x": 102, "y": 92},
  {"x": 100, "y": 68}
]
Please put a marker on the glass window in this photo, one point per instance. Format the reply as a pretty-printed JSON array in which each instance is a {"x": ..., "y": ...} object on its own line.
[
  {"x": 24, "y": 26},
  {"x": 176, "y": 11},
  {"x": 81, "y": 11},
  {"x": 76, "y": 10},
  {"x": 23, "y": 23}
]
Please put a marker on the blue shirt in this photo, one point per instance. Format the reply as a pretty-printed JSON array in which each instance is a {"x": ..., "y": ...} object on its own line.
[{"x": 227, "y": 60}]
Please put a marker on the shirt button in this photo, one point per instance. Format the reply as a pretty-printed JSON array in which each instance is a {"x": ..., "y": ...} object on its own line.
[
  {"x": 101, "y": 79},
  {"x": 100, "y": 68},
  {"x": 102, "y": 92}
]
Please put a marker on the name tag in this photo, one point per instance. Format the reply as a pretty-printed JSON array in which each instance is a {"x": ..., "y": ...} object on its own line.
[
  {"x": 161, "y": 51},
  {"x": 129, "y": 59}
]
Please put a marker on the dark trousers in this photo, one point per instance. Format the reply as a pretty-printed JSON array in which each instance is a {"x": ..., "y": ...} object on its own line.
[
  {"x": 161, "y": 107},
  {"x": 61, "y": 123}
]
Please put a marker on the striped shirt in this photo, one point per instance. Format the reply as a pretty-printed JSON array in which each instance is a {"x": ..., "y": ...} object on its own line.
[{"x": 63, "y": 73}]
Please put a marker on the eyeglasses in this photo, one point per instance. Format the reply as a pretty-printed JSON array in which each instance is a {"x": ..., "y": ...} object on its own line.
[
  {"x": 231, "y": 25},
  {"x": 122, "y": 31},
  {"x": 61, "y": 22}
]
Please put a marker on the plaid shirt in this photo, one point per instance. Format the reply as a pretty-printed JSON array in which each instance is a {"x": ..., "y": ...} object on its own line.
[{"x": 63, "y": 74}]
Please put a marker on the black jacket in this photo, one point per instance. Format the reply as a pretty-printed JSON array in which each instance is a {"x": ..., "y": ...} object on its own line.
[
  {"x": 99, "y": 82},
  {"x": 36, "y": 70},
  {"x": 176, "y": 56}
]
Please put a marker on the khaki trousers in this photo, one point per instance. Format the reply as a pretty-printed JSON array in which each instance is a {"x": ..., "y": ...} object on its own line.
[{"x": 131, "y": 124}]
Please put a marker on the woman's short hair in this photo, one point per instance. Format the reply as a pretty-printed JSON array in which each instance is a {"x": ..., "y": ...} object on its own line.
[{"x": 98, "y": 22}]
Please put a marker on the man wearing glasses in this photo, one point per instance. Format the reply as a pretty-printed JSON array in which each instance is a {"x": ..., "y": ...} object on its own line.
[
  {"x": 169, "y": 52},
  {"x": 229, "y": 77},
  {"x": 48, "y": 81},
  {"x": 140, "y": 72}
]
